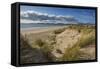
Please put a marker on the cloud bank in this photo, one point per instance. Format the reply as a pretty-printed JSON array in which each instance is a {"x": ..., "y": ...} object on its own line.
[{"x": 36, "y": 17}]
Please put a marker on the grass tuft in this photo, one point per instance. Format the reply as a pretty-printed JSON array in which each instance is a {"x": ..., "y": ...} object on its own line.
[
  {"x": 39, "y": 42},
  {"x": 71, "y": 54},
  {"x": 59, "y": 31}
]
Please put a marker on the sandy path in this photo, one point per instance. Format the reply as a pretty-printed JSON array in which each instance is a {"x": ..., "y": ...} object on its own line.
[{"x": 64, "y": 40}]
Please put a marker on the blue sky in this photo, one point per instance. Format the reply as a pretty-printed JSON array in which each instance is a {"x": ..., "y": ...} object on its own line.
[{"x": 82, "y": 15}]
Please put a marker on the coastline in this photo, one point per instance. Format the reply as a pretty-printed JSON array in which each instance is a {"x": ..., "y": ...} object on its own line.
[{"x": 39, "y": 30}]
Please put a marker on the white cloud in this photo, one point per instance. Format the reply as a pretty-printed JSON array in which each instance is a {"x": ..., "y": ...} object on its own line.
[
  {"x": 37, "y": 17},
  {"x": 26, "y": 21}
]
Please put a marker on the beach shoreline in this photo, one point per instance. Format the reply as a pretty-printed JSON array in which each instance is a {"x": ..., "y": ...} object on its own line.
[{"x": 39, "y": 30}]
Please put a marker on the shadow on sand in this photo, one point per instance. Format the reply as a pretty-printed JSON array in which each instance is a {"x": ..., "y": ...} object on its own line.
[{"x": 29, "y": 54}]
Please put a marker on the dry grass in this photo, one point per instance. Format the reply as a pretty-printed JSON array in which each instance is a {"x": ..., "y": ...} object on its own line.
[
  {"x": 71, "y": 53},
  {"x": 87, "y": 34},
  {"x": 59, "y": 30},
  {"x": 87, "y": 38},
  {"x": 39, "y": 42},
  {"x": 46, "y": 48}
]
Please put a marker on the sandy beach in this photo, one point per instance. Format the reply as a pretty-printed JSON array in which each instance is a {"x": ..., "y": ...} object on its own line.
[{"x": 41, "y": 30}]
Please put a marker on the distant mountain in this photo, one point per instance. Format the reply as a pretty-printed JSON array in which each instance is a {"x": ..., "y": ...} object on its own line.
[{"x": 87, "y": 23}]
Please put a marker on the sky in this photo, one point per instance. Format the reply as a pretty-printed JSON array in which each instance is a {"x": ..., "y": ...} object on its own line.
[{"x": 79, "y": 15}]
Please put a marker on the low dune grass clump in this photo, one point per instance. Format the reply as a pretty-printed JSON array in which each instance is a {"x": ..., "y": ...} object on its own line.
[
  {"x": 42, "y": 44},
  {"x": 86, "y": 40},
  {"x": 71, "y": 54},
  {"x": 87, "y": 36},
  {"x": 59, "y": 30},
  {"x": 46, "y": 48},
  {"x": 39, "y": 42}
]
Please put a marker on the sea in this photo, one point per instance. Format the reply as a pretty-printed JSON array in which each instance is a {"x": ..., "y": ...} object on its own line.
[{"x": 30, "y": 26}]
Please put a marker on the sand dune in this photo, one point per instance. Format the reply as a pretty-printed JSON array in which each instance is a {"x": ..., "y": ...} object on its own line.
[
  {"x": 66, "y": 39},
  {"x": 60, "y": 40}
]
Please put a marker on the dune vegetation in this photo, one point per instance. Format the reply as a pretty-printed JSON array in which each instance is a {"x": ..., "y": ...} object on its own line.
[
  {"x": 52, "y": 44},
  {"x": 87, "y": 38}
]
